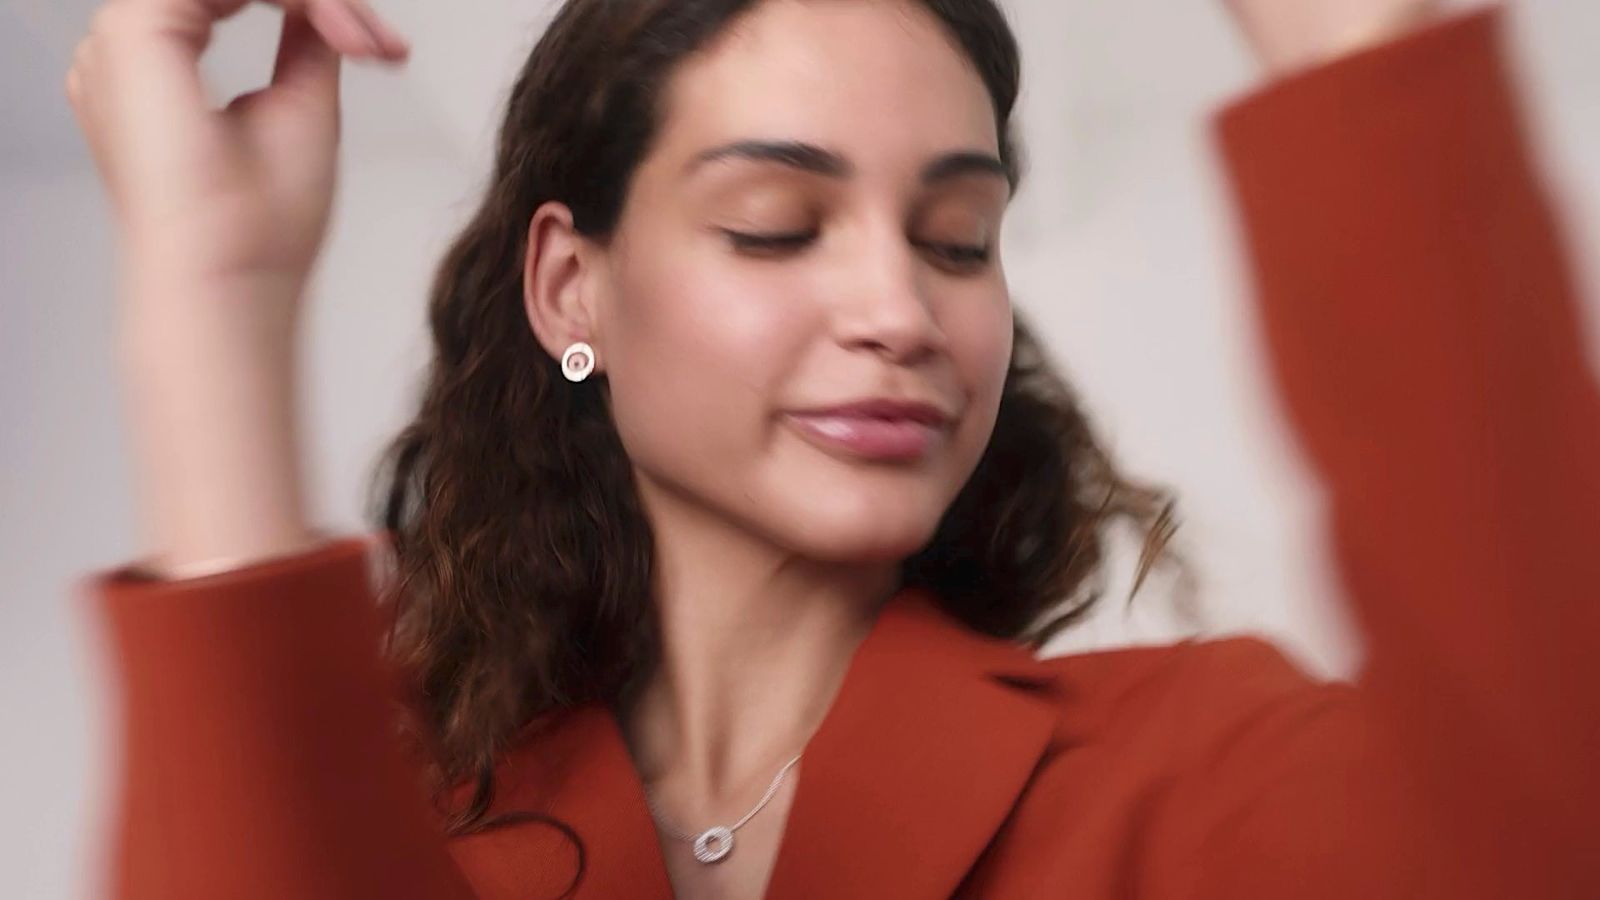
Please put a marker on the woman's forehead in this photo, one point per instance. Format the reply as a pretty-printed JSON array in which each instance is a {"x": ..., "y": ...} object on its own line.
[{"x": 852, "y": 76}]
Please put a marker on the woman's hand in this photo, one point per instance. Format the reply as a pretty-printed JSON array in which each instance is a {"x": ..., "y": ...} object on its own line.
[
  {"x": 220, "y": 215},
  {"x": 240, "y": 190},
  {"x": 1295, "y": 34}
]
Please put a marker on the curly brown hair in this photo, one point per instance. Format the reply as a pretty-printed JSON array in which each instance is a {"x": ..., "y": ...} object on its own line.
[{"x": 523, "y": 554}]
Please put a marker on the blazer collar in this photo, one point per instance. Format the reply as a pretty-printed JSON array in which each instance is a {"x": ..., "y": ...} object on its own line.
[{"x": 930, "y": 741}]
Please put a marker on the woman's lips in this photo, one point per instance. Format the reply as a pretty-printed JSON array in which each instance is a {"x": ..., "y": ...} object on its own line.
[{"x": 871, "y": 433}]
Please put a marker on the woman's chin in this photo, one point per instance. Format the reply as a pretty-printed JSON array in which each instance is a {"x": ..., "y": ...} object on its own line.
[
  {"x": 866, "y": 539},
  {"x": 854, "y": 522}
]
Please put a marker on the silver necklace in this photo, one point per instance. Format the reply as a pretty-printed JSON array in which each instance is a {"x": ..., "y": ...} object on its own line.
[{"x": 715, "y": 843}]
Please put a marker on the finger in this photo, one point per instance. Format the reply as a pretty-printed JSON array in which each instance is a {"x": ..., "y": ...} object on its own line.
[
  {"x": 306, "y": 64},
  {"x": 190, "y": 21},
  {"x": 349, "y": 26},
  {"x": 352, "y": 28},
  {"x": 391, "y": 44},
  {"x": 157, "y": 43}
]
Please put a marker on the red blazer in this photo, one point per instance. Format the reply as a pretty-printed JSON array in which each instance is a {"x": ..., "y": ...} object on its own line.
[{"x": 1423, "y": 335}]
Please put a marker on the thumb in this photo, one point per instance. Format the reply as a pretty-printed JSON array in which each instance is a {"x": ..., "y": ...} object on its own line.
[{"x": 306, "y": 65}]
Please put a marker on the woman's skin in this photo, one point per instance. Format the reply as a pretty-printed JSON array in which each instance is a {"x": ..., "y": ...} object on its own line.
[{"x": 774, "y": 546}]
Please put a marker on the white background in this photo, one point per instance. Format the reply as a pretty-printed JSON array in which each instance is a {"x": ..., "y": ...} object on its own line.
[{"x": 1120, "y": 248}]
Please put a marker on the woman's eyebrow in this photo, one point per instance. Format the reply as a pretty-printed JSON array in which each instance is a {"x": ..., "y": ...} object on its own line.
[{"x": 822, "y": 161}]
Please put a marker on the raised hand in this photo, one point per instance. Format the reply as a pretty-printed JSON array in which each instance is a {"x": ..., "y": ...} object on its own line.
[
  {"x": 246, "y": 188},
  {"x": 220, "y": 216}
]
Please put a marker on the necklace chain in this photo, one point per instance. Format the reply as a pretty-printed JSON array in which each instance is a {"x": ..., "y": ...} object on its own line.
[{"x": 669, "y": 828}]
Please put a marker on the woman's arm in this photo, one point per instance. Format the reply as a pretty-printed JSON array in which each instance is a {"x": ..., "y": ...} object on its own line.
[
  {"x": 260, "y": 756},
  {"x": 1425, "y": 336}
]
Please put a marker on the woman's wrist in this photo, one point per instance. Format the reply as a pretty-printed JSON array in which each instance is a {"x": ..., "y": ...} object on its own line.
[
  {"x": 167, "y": 312},
  {"x": 178, "y": 567},
  {"x": 1393, "y": 25},
  {"x": 1292, "y": 35},
  {"x": 209, "y": 393}
]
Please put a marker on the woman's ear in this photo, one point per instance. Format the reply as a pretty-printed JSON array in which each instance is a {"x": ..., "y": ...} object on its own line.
[{"x": 557, "y": 281}]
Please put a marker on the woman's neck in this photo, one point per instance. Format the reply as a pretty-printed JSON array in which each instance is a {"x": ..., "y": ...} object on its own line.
[{"x": 754, "y": 646}]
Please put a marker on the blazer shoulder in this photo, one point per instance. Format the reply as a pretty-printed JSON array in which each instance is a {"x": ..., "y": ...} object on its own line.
[
  {"x": 1184, "y": 696},
  {"x": 1214, "y": 768}
]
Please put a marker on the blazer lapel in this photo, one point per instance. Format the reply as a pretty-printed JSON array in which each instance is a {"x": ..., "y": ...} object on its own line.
[
  {"x": 576, "y": 772},
  {"x": 930, "y": 741},
  {"x": 927, "y": 746}
]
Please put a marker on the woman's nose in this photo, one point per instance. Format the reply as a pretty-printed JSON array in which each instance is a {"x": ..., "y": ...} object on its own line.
[{"x": 888, "y": 308}]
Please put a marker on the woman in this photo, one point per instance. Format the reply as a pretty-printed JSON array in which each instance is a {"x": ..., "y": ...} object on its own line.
[{"x": 735, "y": 497}]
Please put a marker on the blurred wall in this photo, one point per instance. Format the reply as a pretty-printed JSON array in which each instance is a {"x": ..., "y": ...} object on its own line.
[{"x": 1119, "y": 247}]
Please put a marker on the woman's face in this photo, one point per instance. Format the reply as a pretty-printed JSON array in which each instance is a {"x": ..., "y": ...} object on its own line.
[{"x": 858, "y": 140}]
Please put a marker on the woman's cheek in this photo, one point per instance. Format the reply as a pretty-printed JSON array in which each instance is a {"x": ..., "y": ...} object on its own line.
[
  {"x": 979, "y": 329},
  {"x": 757, "y": 321},
  {"x": 702, "y": 361}
]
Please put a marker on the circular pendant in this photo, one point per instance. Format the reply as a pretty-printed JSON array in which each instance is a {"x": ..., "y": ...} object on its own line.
[{"x": 713, "y": 844}]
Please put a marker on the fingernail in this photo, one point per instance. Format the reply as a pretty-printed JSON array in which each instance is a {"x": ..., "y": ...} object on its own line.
[{"x": 384, "y": 38}]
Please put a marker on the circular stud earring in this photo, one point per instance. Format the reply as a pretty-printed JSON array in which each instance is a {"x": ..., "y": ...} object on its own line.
[{"x": 578, "y": 361}]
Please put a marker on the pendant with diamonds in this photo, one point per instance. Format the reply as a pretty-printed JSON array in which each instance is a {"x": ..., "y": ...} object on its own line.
[{"x": 713, "y": 844}]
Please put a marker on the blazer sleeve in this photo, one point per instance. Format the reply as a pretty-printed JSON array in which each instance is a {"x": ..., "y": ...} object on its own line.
[
  {"x": 260, "y": 757},
  {"x": 1426, "y": 341}
]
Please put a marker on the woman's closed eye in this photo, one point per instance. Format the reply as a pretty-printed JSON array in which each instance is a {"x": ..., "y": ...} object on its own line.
[
  {"x": 781, "y": 243},
  {"x": 769, "y": 242},
  {"x": 961, "y": 254}
]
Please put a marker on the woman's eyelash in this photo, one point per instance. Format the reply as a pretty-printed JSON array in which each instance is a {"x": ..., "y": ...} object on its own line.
[
  {"x": 744, "y": 240},
  {"x": 961, "y": 254}
]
